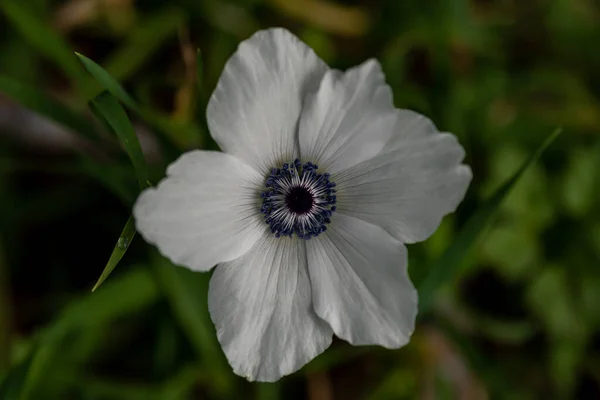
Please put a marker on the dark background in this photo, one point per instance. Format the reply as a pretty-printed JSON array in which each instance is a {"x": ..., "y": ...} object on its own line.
[{"x": 519, "y": 319}]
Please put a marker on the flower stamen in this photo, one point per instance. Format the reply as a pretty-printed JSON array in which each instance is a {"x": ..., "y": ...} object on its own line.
[{"x": 299, "y": 200}]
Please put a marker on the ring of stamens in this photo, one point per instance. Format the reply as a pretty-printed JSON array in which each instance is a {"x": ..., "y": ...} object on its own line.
[{"x": 298, "y": 200}]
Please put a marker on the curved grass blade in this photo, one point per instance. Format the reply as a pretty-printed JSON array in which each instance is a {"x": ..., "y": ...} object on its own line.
[
  {"x": 35, "y": 100},
  {"x": 109, "y": 109},
  {"x": 44, "y": 39},
  {"x": 168, "y": 130},
  {"x": 118, "y": 252},
  {"x": 108, "y": 83},
  {"x": 450, "y": 261}
]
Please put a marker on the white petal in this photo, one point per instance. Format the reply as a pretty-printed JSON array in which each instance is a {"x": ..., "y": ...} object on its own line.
[
  {"x": 360, "y": 283},
  {"x": 261, "y": 306},
  {"x": 253, "y": 113},
  {"x": 409, "y": 187},
  {"x": 205, "y": 211},
  {"x": 349, "y": 120}
]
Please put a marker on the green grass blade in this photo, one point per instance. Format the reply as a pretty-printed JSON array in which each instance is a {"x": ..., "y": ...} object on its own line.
[
  {"x": 107, "y": 82},
  {"x": 169, "y": 131},
  {"x": 118, "y": 252},
  {"x": 115, "y": 117},
  {"x": 35, "y": 100},
  {"x": 450, "y": 261},
  {"x": 44, "y": 39},
  {"x": 133, "y": 291}
]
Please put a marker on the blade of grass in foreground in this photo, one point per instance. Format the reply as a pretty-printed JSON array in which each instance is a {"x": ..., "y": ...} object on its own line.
[
  {"x": 168, "y": 131},
  {"x": 108, "y": 108},
  {"x": 118, "y": 252},
  {"x": 450, "y": 261},
  {"x": 43, "y": 39},
  {"x": 107, "y": 82}
]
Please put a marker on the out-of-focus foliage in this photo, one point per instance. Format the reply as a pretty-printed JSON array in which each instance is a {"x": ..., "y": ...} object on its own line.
[{"x": 520, "y": 317}]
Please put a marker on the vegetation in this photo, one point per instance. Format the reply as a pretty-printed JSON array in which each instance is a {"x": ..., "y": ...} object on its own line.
[{"x": 509, "y": 285}]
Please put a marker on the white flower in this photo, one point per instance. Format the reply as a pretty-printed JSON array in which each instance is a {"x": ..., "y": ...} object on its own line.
[{"x": 306, "y": 212}]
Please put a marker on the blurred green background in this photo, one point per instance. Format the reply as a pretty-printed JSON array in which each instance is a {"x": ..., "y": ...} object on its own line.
[{"x": 519, "y": 318}]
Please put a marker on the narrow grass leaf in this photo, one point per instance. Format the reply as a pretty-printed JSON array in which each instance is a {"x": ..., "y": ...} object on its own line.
[
  {"x": 107, "y": 106},
  {"x": 450, "y": 261},
  {"x": 168, "y": 131},
  {"x": 133, "y": 291},
  {"x": 37, "y": 101},
  {"x": 44, "y": 39},
  {"x": 107, "y": 82},
  {"x": 118, "y": 252}
]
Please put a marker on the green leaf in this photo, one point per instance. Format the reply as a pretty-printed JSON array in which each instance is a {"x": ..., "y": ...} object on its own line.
[
  {"x": 113, "y": 114},
  {"x": 107, "y": 82},
  {"x": 186, "y": 292},
  {"x": 450, "y": 261},
  {"x": 37, "y": 101},
  {"x": 44, "y": 39},
  {"x": 133, "y": 291},
  {"x": 180, "y": 133},
  {"x": 118, "y": 252}
]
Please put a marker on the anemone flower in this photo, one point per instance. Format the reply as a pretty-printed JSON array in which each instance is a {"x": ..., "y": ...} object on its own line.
[{"x": 307, "y": 210}]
